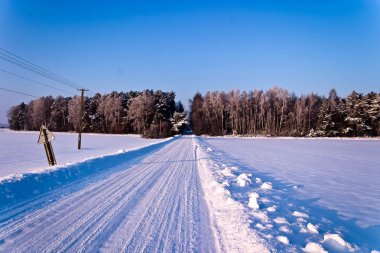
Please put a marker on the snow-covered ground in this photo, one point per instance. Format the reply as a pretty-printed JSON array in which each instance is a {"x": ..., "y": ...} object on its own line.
[
  {"x": 155, "y": 199},
  {"x": 191, "y": 194},
  {"x": 304, "y": 194},
  {"x": 20, "y": 153}
]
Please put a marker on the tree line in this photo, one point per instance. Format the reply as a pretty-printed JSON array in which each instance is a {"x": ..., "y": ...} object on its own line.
[
  {"x": 276, "y": 112},
  {"x": 153, "y": 114}
]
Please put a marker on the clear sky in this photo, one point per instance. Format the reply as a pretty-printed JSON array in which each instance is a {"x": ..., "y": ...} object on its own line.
[{"x": 189, "y": 46}]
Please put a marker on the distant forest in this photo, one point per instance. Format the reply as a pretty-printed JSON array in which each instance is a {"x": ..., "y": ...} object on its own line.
[
  {"x": 277, "y": 112},
  {"x": 153, "y": 114}
]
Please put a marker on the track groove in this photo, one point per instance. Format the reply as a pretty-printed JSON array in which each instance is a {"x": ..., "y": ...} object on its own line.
[{"x": 154, "y": 206}]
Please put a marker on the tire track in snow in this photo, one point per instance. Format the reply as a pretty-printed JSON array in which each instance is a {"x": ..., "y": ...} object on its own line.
[
  {"x": 70, "y": 224},
  {"x": 153, "y": 206}
]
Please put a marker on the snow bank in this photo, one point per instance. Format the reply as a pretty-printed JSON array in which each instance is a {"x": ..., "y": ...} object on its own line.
[
  {"x": 231, "y": 230},
  {"x": 308, "y": 164},
  {"x": 21, "y": 154},
  {"x": 297, "y": 190},
  {"x": 27, "y": 186}
]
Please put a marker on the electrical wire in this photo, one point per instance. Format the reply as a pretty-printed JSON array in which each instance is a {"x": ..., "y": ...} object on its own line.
[
  {"x": 13, "y": 91},
  {"x": 34, "y": 70},
  {"x": 25, "y": 64},
  {"x": 37, "y": 82},
  {"x": 39, "y": 67}
]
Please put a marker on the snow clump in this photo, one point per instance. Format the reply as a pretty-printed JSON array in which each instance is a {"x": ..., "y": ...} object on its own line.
[
  {"x": 272, "y": 209},
  {"x": 226, "y": 183},
  {"x": 299, "y": 214},
  {"x": 234, "y": 168},
  {"x": 253, "y": 196},
  {"x": 227, "y": 172},
  {"x": 283, "y": 239},
  {"x": 243, "y": 179},
  {"x": 336, "y": 243},
  {"x": 312, "y": 228},
  {"x": 312, "y": 247},
  {"x": 280, "y": 220},
  {"x": 285, "y": 229},
  {"x": 266, "y": 186}
]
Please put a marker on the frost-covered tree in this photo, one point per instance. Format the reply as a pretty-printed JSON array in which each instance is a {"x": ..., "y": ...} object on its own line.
[
  {"x": 59, "y": 114},
  {"x": 276, "y": 112},
  {"x": 17, "y": 117},
  {"x": 197, "y": 115},
  {"x": 141, "y": 112}
]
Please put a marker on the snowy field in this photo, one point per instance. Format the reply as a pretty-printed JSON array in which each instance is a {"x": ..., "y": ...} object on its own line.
[
  {"x": 304, "y": 193},
  {"x": 190, "y": 194},
  {"x": 20, "y": 152},
  {"x": 155, "y": 199}
]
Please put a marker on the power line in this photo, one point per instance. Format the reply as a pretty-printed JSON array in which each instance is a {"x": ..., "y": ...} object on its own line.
[
  {"x": 37, "y": 82},
  {"x": 25, "y": 64},
  {"x": 13, "y": 91},
  {"x": 34, "y": 70},
  {"x": 39, "y": 67}
]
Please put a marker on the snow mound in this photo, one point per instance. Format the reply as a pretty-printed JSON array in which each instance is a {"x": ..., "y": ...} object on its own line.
[
  {"x": 336, "y": 243},
  {"x": 303, "y": 230},
  {"x": 227, "y": 172},
  {"x": 283, "y": 239},
  {"x": 253, "y": 196},
  {"x": 312, "y": 228},
  {"x": 266, "y": 186},
  {"x": 280, "y": 220},
  {"x": 261, "y": 216},
  {"x": 226, "y": 183},
  {"x": 301, "y": 220},
  {"x": 313, "y": 247},
  {"x": 299, "y": 214},
  {"x": 272, "y": 209},
  {"x": 243, "y": 179},
  {"x": 219, "y": 188},
  {"x": 285, "y": 229},
  {"x": 230, "y": 223},
  {"x": 260, "y": 226}
]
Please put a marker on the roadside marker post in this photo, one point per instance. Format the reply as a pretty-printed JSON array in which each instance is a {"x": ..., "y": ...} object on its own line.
[
  {"x": 81, "y": 117},
  {"x": 45, "y": 138}
]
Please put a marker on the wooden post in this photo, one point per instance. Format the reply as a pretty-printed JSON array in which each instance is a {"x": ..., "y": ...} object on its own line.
[
  {"x": 81, "y": 118},
  {"x": 44, "y": 138}
]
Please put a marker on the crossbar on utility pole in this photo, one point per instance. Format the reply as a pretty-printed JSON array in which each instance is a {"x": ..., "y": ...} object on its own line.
[{"x": 81, "y": 117}]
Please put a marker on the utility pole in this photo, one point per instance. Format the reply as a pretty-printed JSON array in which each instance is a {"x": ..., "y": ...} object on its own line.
[{"x": 81, "y": 117}]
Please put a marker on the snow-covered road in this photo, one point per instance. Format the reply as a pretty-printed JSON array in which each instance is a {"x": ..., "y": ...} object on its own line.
[{"x": 155, "y": 205}]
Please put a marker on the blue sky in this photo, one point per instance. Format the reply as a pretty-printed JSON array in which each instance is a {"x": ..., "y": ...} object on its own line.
[{"x": 189, "y": 46}]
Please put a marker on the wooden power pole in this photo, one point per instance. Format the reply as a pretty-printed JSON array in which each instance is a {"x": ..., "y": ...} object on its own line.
[{"x": 81, "y": 117}]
